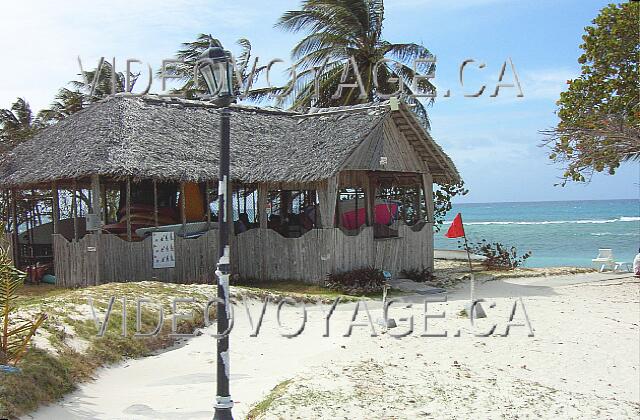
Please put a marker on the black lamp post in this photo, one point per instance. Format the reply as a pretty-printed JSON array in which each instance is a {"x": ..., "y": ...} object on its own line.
[{"x": 216, "y": 67}]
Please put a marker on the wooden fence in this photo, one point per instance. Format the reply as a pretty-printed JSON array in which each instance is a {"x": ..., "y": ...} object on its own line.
[{"x": 257, "y": 254}]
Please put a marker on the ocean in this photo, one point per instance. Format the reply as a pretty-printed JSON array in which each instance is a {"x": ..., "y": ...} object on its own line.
[{"x": 559, "y": 233}]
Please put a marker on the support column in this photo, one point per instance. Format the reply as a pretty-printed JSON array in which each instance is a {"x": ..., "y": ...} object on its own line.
[
  {"x": 96, "y": 208},
  {"x": 15, "y": 245},
  {"x": 74, "y": 210},
  {"x": 369, "y": 186},
  {"x": 155, "y": 203},
  {"x": 183, "y": 208},
  {"x": 207, "y": 200},
  {"x": 427, "y": 182},
  {"x": 7, "y": 209},
  {"x": 328, "y": 196},
  {"x": 263, "y": 199},
  {"x": 55, "y": 207},
  {"x": 128, "y": 208},
  {"x": 105, "y": 205}
]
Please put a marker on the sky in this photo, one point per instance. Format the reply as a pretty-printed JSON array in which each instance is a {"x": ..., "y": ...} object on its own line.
[{"x": 494, "y": 142}]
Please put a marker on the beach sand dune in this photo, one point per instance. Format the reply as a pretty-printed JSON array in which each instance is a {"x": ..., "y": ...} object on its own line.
[{"x": 582, "y": 362}]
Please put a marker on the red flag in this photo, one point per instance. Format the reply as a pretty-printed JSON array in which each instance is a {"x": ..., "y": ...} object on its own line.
[{"x": 456, "y": 230}]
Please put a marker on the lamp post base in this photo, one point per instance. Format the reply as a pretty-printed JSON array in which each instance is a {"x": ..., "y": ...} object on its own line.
[{"x": 223, "y": 408}]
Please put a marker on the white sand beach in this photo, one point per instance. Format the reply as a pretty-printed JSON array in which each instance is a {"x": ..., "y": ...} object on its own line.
[{"x": 582, "y": 362}]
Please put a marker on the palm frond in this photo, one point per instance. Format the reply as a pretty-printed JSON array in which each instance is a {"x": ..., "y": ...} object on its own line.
[
  {"x": 14, "y": 340},
  {"x": 337, "y": 30}
]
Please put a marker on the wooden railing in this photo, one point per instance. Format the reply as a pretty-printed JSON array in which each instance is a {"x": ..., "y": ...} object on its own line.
[{"x": 257, "y": 254}]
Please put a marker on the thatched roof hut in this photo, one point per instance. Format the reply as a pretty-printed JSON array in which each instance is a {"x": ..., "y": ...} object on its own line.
[
  {"x": 177, "y": 140},
  {"x": 325, "y": 191}
]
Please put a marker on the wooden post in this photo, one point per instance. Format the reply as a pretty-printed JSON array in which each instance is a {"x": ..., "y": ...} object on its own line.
[
  {"x": 328, "y": 195},
  {"x": 417, "y": 208},
  {"x": 155, "y": 203},
  {"x": 95, "y": 198},
  {"x": 74, "y": 210},
  {"x": 263, "y": 198},
  {"x": 369, "y": 188},
  {"x": 6, "y": 215},
  {"x": 472, "y": 286},
  {"x": 95, "y": 209},
  {"x": 105, "y": 205},
  {"x": 183, "y": 208},
  {"x": 55, "y": 207},
  {"x": 128, "y": 208},
  {"x": 30, "y": 216},
  {"x": 15, "y": 243},
  {"x": 207, "y": 200},
  {"x": 7, "y": 209},
  {"x": 427, "y": 181}
]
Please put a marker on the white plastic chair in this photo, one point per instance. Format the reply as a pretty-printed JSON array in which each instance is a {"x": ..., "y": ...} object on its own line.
[{"x": 605, "y": 259}]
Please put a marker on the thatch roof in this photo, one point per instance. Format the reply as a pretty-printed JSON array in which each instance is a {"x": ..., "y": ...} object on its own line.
[{"x": 178, "y": 140}]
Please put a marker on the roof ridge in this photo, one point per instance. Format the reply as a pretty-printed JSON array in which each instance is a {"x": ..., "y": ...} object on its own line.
[{"x": 346, "y": 108}]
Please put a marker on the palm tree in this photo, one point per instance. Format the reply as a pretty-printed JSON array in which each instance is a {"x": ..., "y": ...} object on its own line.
[
  {"x": 66, "y": 103},
  {"x": 245, "y": 65},
  {"x": 337, "y": 30},
  {"x": 69, "y": 101},
  {"x": 17, "y": 124}
]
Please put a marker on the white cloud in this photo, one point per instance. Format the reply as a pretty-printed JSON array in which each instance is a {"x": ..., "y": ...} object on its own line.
[
  {"x": 441, "y": 4},
  {"x": 546, "y": 83},
  {"x": 40, "y": 42}
]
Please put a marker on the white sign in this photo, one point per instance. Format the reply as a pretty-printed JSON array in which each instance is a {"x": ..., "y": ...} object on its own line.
[
  {"x": 93, "y": 222},
  {"x": 164, "y": 255}
]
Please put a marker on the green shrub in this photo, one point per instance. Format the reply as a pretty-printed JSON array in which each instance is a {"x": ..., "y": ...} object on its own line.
[
  {"x": 16, "y": 333},
  {"x": 497, "y": 256},
  {"x": 361, "y": 281}
]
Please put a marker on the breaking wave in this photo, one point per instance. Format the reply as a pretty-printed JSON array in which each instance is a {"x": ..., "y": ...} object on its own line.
[
  {"x": 559, "y": 222},
  {"x": 615, "y": 234}
]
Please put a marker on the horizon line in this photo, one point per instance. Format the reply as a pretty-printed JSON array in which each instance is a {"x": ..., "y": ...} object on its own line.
[{"x": 547, "y": 201}]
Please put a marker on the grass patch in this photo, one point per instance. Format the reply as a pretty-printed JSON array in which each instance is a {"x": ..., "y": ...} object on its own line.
[
  {"x": 44, "y": 378},
  {"x": 48, "y": 373},
  {"x": 308, "y": 293},
  {"x": 263, "y": 406},
  {"x": 291, "y": 289},
  {"x": 30, "y": 294},
  {"x": 72, "y": 352}
]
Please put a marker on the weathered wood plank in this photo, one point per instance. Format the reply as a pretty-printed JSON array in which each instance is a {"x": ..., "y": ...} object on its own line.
[{"x": 259, "y": 254}]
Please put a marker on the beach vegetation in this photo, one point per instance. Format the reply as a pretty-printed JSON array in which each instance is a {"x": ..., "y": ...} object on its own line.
[
  {"x": 16, "y": 332},
  {"x": 358, "y": 282},
  {"x": 424, "y": 275},
  {"x": 442, "y": 200},
  {"x": 68, "y": 350},
  {"x": 298, "y": 291},
  {"x": 600, "y": 111},
  {"x": 258, "y": 410},
  {"x": 497, "y": 255}
]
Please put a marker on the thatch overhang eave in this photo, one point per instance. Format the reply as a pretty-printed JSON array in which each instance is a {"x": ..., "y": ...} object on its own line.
[
  {"x": 178, "y": 140},
  {"x": 440, "y": 164}
]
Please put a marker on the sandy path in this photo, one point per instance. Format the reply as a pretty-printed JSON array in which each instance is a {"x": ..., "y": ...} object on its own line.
[{"x": 582, "y": 361}]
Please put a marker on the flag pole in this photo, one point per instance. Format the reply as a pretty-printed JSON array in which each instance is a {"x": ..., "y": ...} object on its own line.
[
  {"x": 472, "y": 284},
  {"x": 456, "y": 230}
]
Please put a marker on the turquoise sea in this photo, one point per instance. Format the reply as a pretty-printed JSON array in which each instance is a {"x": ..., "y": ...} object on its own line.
[{"x": 559, "y": 233}]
